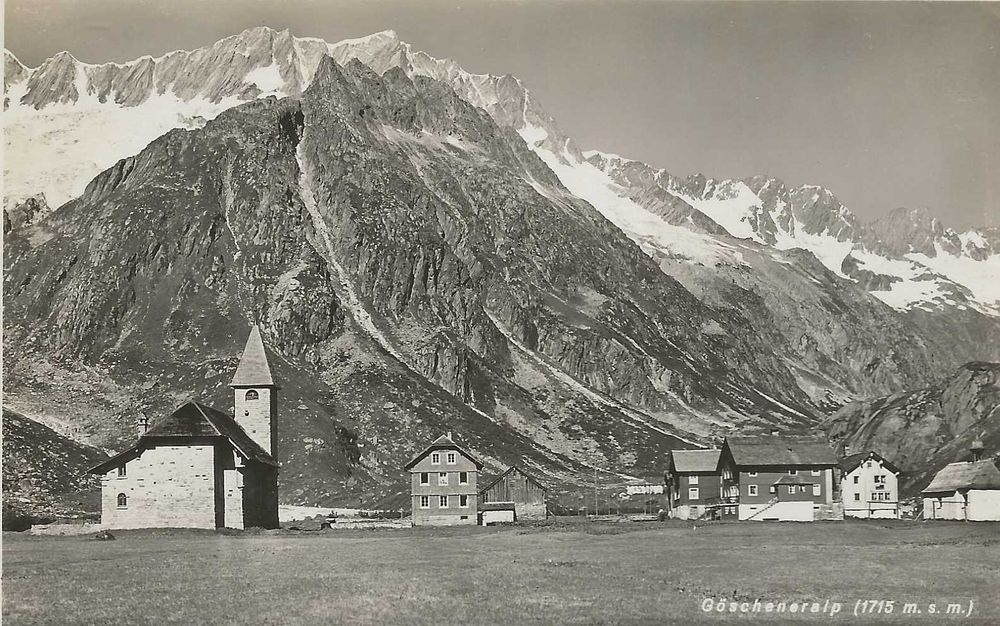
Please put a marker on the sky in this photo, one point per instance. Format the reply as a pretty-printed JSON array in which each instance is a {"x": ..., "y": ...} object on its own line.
[{"x": 887, "y": 104}]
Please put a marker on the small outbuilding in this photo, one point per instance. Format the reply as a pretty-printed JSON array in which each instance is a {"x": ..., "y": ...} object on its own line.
[
  {"x": 497, "y": 513},
  {"x": 967, "y": 490}
]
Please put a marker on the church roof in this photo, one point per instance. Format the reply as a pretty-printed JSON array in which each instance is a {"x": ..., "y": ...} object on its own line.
[
  {"x": 193, "y": 420},
  {"x": 253, "y": 370},
  {"x": 443, "y": 443},
  {"x": 965, "y": 475}
]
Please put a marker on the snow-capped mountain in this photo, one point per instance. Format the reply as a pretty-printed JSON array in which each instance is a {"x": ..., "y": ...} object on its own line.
[
  {"x": 68, "y": 120},
  {"x": 907, "y": 259}
]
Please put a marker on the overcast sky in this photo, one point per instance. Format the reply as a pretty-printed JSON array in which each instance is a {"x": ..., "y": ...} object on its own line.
[{"x": 887, "y": 104}]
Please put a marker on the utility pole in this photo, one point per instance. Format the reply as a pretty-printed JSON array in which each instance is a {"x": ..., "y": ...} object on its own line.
[{"x": 596, "y": 511}]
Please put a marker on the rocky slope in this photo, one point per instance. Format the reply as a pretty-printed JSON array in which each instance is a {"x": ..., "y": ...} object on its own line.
[
  {"x": 44, "y": 473},
  {"x": 924, "y": 430}
]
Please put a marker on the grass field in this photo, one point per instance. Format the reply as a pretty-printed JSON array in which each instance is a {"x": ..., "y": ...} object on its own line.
[{"x": 560, "y": 573}]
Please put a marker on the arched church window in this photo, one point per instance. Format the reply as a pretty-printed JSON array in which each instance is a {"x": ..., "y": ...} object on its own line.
[
  {"x": 252, "y": 395},
  {"x": 122, "y": 501}
]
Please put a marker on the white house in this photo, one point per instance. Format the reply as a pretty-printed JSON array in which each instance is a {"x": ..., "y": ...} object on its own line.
[
  {"x": 967, "y": 490},
  {"x": 869, "y": 486}
]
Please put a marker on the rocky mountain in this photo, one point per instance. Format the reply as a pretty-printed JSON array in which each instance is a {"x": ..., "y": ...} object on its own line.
[
  {"x": 425, "y": 250},
  {"x": 417, "y": 267},
  {"x": 44, "y": 473},
  {"x": 940, "y": 422}
]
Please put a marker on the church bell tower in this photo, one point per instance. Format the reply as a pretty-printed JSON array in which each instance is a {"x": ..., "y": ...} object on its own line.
[{"x": 256, "y": 395}]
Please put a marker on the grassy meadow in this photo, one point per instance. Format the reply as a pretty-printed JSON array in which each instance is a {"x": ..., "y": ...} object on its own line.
[{"x": 586, "y": 573}]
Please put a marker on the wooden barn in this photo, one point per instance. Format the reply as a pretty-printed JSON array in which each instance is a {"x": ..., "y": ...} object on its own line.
[{"x": 518, "y": 488}]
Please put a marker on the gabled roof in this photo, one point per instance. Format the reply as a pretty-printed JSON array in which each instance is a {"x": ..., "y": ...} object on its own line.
[
  {"x": 695, "y": 461},
  {"x": 193, "y": 420},
  {"x": 850, "y": 463},
  {"x": 788, "y": 479},
  {"x": 965, "y": 475},
  {"x": 443, "y": 443},
  {"x": 253, "y": 370},
  {"x": 784, "y": 451},
  {"x": 510, "y": 469}
]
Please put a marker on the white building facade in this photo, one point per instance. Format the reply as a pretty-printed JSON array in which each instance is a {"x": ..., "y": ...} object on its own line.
[{"x": 869, "y": 487}]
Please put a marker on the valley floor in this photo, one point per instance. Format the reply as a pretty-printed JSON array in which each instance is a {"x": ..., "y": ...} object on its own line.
[{"x": 562, "y": 572}]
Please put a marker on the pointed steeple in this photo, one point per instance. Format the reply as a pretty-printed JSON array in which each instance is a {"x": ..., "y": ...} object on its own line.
[{"x": 253, "y": 370}]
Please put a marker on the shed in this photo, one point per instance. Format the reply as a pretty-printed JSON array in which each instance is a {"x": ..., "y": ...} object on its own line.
[{"x": 497, "y": 513}]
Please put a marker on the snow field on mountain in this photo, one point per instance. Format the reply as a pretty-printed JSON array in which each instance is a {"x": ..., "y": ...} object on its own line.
[
  {"x": 652, "y": 234},
  {"x": 982, "y": 278},
  {"x": 58, "y": 150},
  {"x": 730, "y": 209}
]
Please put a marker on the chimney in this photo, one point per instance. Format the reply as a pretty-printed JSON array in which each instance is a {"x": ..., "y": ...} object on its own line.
[
  {"x": 976, "y": 449},
  {"x": 449, "y": 435}
]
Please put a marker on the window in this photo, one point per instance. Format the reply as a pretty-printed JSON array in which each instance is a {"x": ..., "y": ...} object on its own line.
[
  {"x": 692, "y": 480},
  {"x": 857, "y": 497},
  {"x": 425, "y": 478},
  {"x": 442, "y": 478},
  {"x": 425, "y": 502},
  {"x": 463, "y": 478},
  {"x": 693, "y": 493},
  {"x": 868, "y": 464},
  {"x": 751, "y": 473},
  {"x": 121, "y": 469},
  {"x": 880, "y": 479},
  {"x": 751, "y": 490},
  {"x": 122, "y": 501},
  {"x": 252, "y": 395},
  {"x": 802, "y": 488},
  {"x": 773, "y": 489},
  {"x": 793, "y": 472},
  {"x": 791, "y": 489},
  {"x": 451, "y": 458},
  {"x": 815, "y": 472},
  {"x": 436, "y": 458},
  {"x": 443, "y": 502},
  {"x": 855, "y": 480},
  {"x": 816, "y": 489},
  {"x": 463, "y": 501}
]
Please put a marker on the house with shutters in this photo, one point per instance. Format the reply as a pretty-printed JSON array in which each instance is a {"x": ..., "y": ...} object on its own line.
[
  {"x": 869, "y": 486},
  {"x": 199, "y": 467},
  {"x": 443, "y": 484},
  {"x": 693, "y": 482},
  {"x": 967, "y": 490},
  {"x": 513, "y": 495},
  {"x": 777, "y": 478}
]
